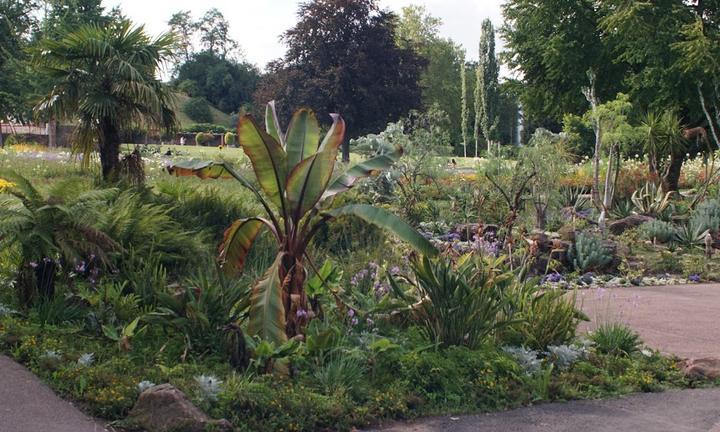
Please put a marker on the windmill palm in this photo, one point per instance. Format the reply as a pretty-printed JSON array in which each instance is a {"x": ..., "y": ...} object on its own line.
[{"x": 105, "y": 78}]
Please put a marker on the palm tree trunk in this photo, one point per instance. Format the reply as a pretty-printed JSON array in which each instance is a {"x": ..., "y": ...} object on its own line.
[{"x": 109, "y": 150}]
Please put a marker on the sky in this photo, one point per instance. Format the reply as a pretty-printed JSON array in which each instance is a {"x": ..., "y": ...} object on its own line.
[{"x": 257, "y": 24}]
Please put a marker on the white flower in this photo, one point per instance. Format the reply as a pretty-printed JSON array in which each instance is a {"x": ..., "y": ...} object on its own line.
[
  {"x": 144, "y": 385},
  {"x": 86, "y": 359},
  {"x": 209, "y": 386}
]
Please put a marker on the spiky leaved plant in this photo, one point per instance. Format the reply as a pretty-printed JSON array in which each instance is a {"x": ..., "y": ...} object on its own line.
[{"x": 295, "y": 175}]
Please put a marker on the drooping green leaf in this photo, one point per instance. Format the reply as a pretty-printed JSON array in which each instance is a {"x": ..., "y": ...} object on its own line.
[
  {"x": 390, "y": 222},
  {"x": 267, "y": 313},
  {"x": 237, "y": 241},
  {"x": 199, "y": 168},
  {"x": 268, "y": 159},
  {"x": 307, "y": 182},
  {"x": 272, "y": 125},
  {"x": 367, "y": 168},
  {"x": 302, "y": 138},
  {"x": 335, "y": 135}
]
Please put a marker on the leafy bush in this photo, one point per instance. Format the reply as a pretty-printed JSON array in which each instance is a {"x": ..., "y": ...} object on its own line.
[
  {"x": 691, "y": 235},
  {"x": 230, "y": 138},
  {"x": 198, "y": 109},
  {"x": 542, "y": 318},
  {"x": 588, "y": 253},
  {"x": 615, "y": 339},
  {"x": 202, "y": 138},
  {"x": 205, "y": 127},
  {"x": 707, "y": 215},
  {"x": 659, "y": 231},
  {"x": 461, "y": 306}
]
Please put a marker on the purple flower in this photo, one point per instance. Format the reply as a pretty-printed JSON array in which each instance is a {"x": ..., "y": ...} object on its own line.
[
  {"x": 351, "y": 312},
  {"x": 369, "y": 322},
  {"x": 301, "y": 313},
  {"x": 33, "y": 264},
  {"x": 80, "y": 268},
  {"x": 694, "y": 278},
  {"x": 395, "y": 270},
  {"x": 354, "y": 321}
]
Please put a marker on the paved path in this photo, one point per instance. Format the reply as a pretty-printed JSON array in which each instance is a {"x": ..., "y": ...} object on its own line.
[
  {"x": 680, "y": 319},
  {"x": 672, "y": 411},
  {"x": 28, "y": 405}
]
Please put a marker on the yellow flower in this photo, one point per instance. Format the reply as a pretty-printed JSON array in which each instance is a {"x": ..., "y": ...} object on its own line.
[{"x": 4, "y": 185}]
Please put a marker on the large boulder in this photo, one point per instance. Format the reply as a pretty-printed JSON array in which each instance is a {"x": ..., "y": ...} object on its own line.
[
  {"x": 621, "y": 225},
  {"x": 705, "y": 368},
  {"x": 164, "y": 408}
]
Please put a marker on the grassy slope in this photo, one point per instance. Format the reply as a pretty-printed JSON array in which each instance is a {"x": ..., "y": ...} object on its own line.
[{"x": 219, "y": 117}]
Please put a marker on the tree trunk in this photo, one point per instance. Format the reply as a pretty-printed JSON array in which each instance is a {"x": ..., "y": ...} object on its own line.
[
  {"x": 45, "y": 279},
  {"x": 346, "y": 150},
  {"x": 52, "y": 133},
  {"x": 1, "y": 136},
  {"x": 295, "y": 300},
  {"x": 671, "y": 179},
  {"x": 109, "y": 151}
]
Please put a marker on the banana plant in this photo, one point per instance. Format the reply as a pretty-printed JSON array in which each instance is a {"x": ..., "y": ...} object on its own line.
[{"x": 295, "y": 173}]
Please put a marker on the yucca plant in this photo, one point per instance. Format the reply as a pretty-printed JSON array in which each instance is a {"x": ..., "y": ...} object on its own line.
[
  {"x": 49, "y": 231},
  {"x": 295, "y": 175},
  {"x": 691, "y": 235}
]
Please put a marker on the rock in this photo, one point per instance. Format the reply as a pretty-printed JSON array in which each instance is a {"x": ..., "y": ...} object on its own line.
[
  {"x": 467, "y": 231},
  {"x": 164, "y": 408},
  {"x": 632, "y": 221},
  {"x": 705, "y": 368}
]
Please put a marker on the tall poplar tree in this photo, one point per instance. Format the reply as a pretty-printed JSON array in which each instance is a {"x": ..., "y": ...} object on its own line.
[
  {"x": 487, "y": 91},
  {"x": 464, "y": 114}
]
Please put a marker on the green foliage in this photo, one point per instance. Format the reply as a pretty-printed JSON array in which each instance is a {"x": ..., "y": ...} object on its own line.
[
  {"x": 294, "y": 173},
  {"x": 616, "y": 339},
  {"x": 224, "y": 82},
  {"x": 707, "y": 215},
  {"x": 543, "y": 317},
  {"x": 460, "y": 305},
  {"x": 203, "y": 138},
  {"x": 651, "y": 200},
  {"x": 486, "y": 88},
  {"x": 230, "y": 139},
  {"x": 588, "y": 253},
  {"x": 659, "y": 231},
  {"x": 198, "y": 109},
  {"x": 205, "y": 127},
  {"x": 691, "y": 235},
  {"x": 106, "y": 54}
]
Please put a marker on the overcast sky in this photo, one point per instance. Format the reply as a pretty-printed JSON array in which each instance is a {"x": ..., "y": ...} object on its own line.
[{"x": 257, "y": 24}]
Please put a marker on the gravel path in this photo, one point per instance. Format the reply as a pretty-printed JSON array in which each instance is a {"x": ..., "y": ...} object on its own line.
[
  {"x": 28, "y": 405},
  {"x": 675, "y": 319},
  {"x": 672, "y": 411}
]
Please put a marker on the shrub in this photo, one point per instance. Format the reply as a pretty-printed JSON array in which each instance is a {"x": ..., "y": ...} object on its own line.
[
  {"x": 588, "y": 253},
  {"x": 202, "y": 138},
  {"x": 463, "y": 304},
  {"x": 659, "y": 231},
  {"x": 205, "y": 127},
  {"x": 691, "y": 235},
  {"x": 707, "y": 215},
  {"x": 198, "y": 109},
  {"x": 230, "y": 138},
  {"x": 615, "y": 339}
]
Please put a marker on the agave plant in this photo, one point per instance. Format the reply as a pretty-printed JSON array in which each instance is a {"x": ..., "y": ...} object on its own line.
[
  {"x": 650, "y": 200},
  {"x": 295, "y": 175}
]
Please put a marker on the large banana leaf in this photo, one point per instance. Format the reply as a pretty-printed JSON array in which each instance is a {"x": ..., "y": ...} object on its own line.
[
  {"x": 272, "y": 125},
  {"x": 267, "y": 313},
  {"x": 364, "y": 169},
  {"x": 302, "y": 138},
  {"x": 308, "y": 180},
  {"x": 268, "y": 159},
  {"x": 237, "y": 241},
  {"x": 390, "y": 222},
  {"x": 335, "y": 135}
]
